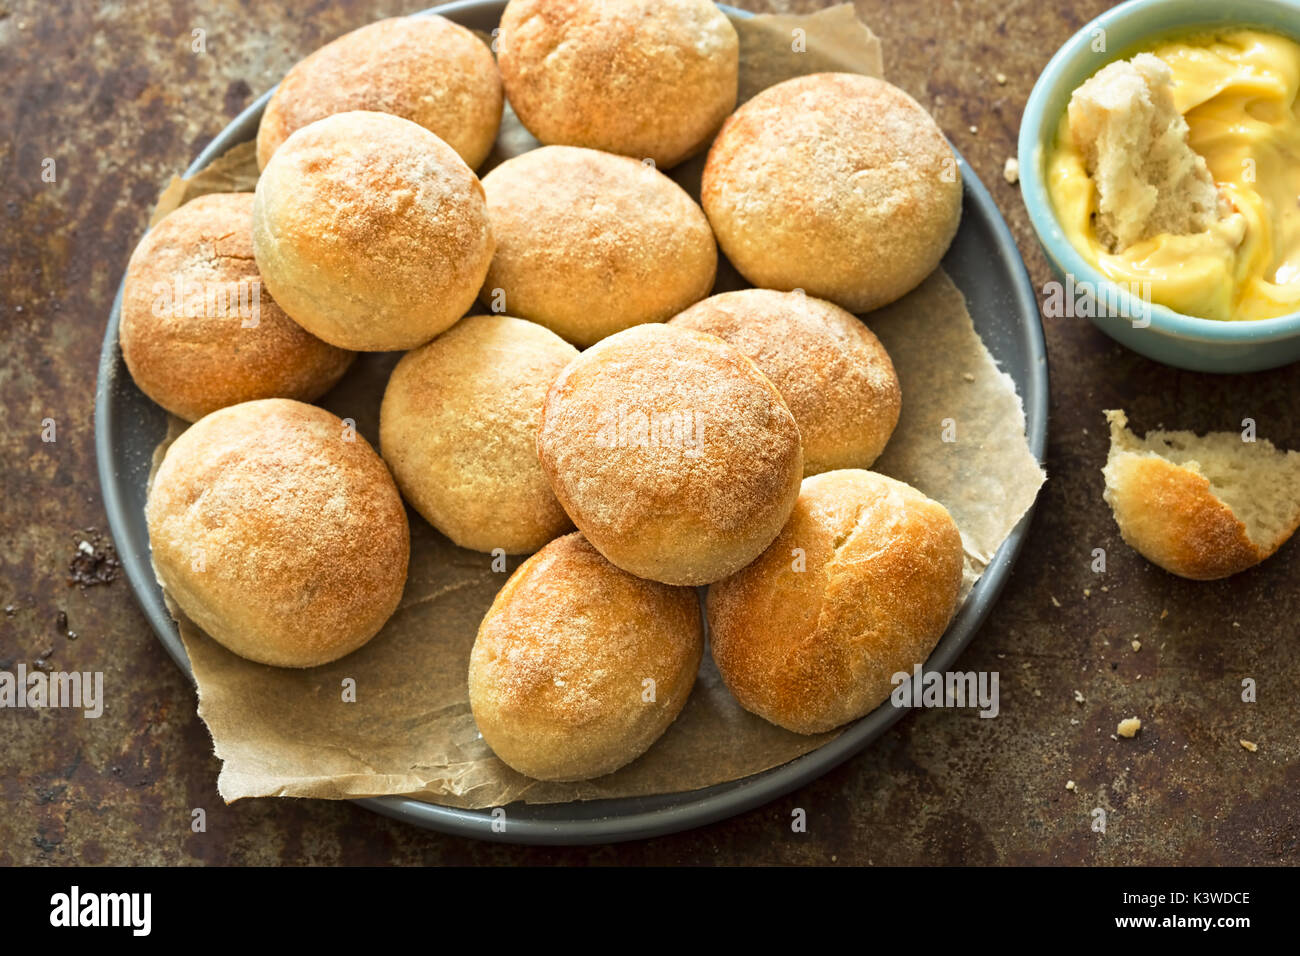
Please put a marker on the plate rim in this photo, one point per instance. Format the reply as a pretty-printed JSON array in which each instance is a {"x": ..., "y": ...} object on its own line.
[{"x": 697, "y": 807}]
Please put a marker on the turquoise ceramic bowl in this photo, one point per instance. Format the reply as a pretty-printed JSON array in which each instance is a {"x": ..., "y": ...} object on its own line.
[{"x": 1202, "y": 345}]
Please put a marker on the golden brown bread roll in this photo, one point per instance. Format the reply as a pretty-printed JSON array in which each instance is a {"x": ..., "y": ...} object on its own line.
[
  {"x": 279, "y": 532},
  {"x": 860, "y": 585},
  {"x": 458, "y": 426},
  {"x": 1201, "y": 507},
  {"x": 589, "y": 244},
  {"x": 579, "y": 667},
  {"x": 831, "y": 370},
  {"x": 651, "y": 79},
  {"x": 834, "y": 183},
  {"x": 199, "y": 331},
  {"x": 425, "y": 69},
  {"x": 370, "y": 231},
  {"x": 672, "y": 453}
]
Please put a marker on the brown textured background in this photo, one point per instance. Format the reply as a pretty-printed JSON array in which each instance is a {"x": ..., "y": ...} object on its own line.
[{"x": 115, "y": 96}]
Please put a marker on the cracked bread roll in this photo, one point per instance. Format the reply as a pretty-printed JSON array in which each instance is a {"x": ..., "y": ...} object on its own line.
[
  {"x": 828, "y": 366},
  {"x": 279, "y": 532},
  {"x": 672, "y": 453},
  {"x": 579, "y": 667},
  {"x": 838, "y": 184},
  {"x": 199, "y": 331},
  {"x": 860, "y": 585},
  {"x": 1201, "y": 507},
  {"x": 589, "y": 244},
  {"x": 370, "y": 232},
  {"x": 651, "y": 79},
  {"x": 458, "y": 427},
  {"x": 424, "y": 69}
]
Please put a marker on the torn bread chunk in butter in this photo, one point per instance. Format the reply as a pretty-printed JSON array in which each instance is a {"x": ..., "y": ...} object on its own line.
[{"x": 1134, "y": 143}]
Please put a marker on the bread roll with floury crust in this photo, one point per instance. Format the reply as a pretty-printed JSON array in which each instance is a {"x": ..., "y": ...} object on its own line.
[
  {"x": 860, "y": 585},
  {"x": 834, "y": 183},
  {"x": 672, "y": 453},
  {"x": 425, "y": 69},
  {"x": 579, "y": 667},
  {"x": 589, "y": 244},
  {"x": 831, "y": 370},
  {"x": 279, "y": 532},
  {"x": 651, "y": 79},
  {"x": 200, "y": 331},
  {"x": 458, "y": 427},
  {"x": 370, "y": 232}
]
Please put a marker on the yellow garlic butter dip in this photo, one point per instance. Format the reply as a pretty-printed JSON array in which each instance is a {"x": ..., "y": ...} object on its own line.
[{"x": 1237, "y": 90}]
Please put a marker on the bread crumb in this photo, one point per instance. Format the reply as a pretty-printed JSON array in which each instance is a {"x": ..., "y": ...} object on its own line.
[
  {"x": 968, "y": 377},
  {"x": 1078, "y": 697},
  {"x": 1087, "y": 592},
  {"x": 1069, "y": 785},
  {"x": 974, "y": 129},
  {"x": 1055, "y": 602},
  {"x": 1002, "y": 79},
  {"x": 1137, "y": 646},
  {"x": 1236, "y": 624},
  {"x": 1011, "y": 170},
  {"x": 1129, "y": 727},
  {"x": 1038, "y": 693},
  {"x": 1164, "y": 614},
  {"x": 1249, "y": 745}
]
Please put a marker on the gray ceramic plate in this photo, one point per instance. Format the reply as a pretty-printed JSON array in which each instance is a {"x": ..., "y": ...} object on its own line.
[{"x": 986, "y": 266}]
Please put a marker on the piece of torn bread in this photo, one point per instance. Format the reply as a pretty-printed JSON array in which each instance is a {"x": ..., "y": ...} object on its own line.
[
  {"x": 1201, "y": 507},
  {"x": 1134, "y": 145}
]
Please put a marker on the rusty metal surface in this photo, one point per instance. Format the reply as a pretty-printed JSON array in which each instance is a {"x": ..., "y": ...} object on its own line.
[{"x": 115, "y": 96}]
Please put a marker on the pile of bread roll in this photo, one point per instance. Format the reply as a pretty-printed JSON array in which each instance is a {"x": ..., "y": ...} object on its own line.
[{"x": 692, "y": 440}]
